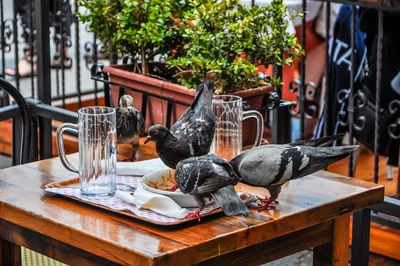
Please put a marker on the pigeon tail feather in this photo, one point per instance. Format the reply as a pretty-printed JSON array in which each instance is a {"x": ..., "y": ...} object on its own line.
[
  {"x": 204, "y": 95},
  {"x": 326, "y": 157},
  {"x": 320, "y": 142},
  {"x": 337, "y": 151},
  {"x": 229, "y": 201}
]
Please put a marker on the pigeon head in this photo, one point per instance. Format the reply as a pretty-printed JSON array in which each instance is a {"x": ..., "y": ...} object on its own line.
[
  {"x": 126, "y": 101},
  {"x": 157, "y": 133}
]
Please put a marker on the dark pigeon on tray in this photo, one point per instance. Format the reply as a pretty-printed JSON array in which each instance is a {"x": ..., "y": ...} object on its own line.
[
  {"x": 192, "y": 133},
  {"x": 271, "y": 166},
  {"x": 209, "y": 174},
  {"x": 130, "y": 123}
]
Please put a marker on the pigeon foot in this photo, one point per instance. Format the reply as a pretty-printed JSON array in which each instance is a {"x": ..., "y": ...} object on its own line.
[
  {"x": 132, "y": 159},
  {"x": 195, "y": 214},
  {"x": 267, "y": 204},
  {"x": 267, "y": 200}
]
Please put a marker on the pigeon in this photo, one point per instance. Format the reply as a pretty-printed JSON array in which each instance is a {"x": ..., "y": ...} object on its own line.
[
  {"x": 130, "y": 124},
  {"x": 204, "y": 175},
  {"x": 272, "y": 165},
  {"x": 192, "y": 133}
]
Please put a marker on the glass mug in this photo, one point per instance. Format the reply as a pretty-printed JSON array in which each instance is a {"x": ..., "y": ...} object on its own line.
[
  {"x": 229, "y": 115},
  {"x": 97, "y": 150}
]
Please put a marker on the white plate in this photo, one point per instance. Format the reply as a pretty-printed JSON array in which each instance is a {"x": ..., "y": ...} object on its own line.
[{"x": 159, "y": 181}]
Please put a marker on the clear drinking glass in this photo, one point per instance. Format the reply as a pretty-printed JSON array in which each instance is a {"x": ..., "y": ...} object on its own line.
[
  {"x": 97, "y": 150},
  {"x": 229, "y": 115}
]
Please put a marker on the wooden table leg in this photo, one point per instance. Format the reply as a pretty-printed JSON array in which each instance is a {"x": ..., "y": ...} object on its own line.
[
  {"x": 10, "y": 254},
  {"x": 335, "y": 252}
]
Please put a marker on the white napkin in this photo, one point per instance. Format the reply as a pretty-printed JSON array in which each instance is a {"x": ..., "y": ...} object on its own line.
[
  {"x": 153, "y": 201},
  {"x": 140, "y": 167}
]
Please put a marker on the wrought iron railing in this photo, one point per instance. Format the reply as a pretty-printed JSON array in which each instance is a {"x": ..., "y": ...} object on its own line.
[
  {"x": 387, "y": 212},
  {"x": 55, "y": 48}
]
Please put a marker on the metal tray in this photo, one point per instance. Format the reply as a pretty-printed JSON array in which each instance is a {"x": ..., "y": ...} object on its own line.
[{"x": 75, "y": 181}]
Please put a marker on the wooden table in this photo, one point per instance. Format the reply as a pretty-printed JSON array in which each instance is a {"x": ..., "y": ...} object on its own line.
[{"x": 313, "y": 212}]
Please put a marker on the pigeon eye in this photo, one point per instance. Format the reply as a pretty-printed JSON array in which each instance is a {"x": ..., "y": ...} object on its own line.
[{"x": 157, "y": 132}]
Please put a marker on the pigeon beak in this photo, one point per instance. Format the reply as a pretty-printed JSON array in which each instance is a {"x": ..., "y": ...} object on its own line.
[{"x": 147, "y": 139}]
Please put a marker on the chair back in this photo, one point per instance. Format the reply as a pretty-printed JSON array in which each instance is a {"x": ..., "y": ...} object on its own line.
[{"x": 26, "y": 118}]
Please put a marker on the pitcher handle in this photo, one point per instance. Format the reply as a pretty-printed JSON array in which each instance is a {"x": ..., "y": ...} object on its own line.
[
  {"x": 260, "y": 125},
  {"x": 60, "y": 145}
]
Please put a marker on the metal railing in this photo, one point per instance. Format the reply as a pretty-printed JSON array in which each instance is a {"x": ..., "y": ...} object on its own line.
[
  {"x": 389, "y": 211},
  {"x": 59, "y": 49}
]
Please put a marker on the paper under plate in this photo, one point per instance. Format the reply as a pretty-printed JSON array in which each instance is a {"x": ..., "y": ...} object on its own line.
[{"x": 113, "y": 204}]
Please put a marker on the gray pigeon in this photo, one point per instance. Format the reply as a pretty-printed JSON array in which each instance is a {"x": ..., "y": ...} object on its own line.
[
  {"x": 271, "y": 166},
  {"x": 130, "y": 124},
  {"x": 192, "y": 133},
  {"x": 209, "y": 174}
]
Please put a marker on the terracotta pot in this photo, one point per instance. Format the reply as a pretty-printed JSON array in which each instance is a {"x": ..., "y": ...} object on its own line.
[{"x": 157, "y": 113}]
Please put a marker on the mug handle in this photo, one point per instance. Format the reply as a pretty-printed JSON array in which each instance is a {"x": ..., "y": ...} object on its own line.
[
  {"x": 60, "y": 145},
  {"x": 260, "y": 125}
]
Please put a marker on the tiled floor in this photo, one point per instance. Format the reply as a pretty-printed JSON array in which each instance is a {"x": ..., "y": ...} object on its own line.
[
  {"x": 303, "y": 258},
  {"x": 5, "y": 161}
]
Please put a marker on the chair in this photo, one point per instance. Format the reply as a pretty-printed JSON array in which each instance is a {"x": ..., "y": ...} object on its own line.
[
  {"x": 21, "y": 154},
  {"x": 21, "y": 150}
]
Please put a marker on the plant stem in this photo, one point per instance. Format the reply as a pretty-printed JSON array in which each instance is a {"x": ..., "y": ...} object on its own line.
[{"x": 145, "y": 67}]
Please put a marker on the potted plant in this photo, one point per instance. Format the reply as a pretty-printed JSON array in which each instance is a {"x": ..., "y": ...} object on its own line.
[
  {"x": 228, "y": 42},
  {"x": 142, "y": 29},
  {"x": 219, "y": 40},
  {"x": 145, "y": 30}
]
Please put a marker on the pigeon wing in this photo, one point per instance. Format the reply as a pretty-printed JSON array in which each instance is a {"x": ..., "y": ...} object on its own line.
[
  {"x": 224, "y": 163},
  {"x": 197, "y": 129},
  {"x": 139, "y": 124},
  {"x": 214, "y": 182},
  {"x": 183, "y": 124},
  {"x": 196, "y": 126},
  {"x": 275, "y": 164},
  {"x": 321, "y": 157},
  {"x": 203, "y": 131},
  {"x": 269, "y": 164},
  {"x": 191, "y": 172},
  {"x": 126, "y": 123}
]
